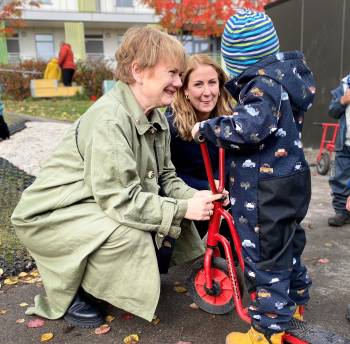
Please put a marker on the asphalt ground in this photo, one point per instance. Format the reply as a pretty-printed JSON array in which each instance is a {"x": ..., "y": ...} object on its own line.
[{"x": 179, "y": 322}]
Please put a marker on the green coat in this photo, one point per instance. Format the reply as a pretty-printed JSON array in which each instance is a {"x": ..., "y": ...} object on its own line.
[{"x": 87, "y": 218}]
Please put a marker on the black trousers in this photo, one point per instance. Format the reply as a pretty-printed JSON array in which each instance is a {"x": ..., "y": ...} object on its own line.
[
  {"x": 67, "y": 76},
  {"x": 164, "y": 253}
]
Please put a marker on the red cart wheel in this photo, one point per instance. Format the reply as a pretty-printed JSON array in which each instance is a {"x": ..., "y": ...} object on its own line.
[
  {"x": 218, "y": 300},
  {"x": 323, "y": 164}
]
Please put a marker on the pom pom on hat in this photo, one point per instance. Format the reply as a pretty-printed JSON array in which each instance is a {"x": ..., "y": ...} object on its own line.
[{"x": 248, "y": 37}]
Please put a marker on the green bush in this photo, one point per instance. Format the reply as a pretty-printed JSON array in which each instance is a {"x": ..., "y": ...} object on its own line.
[
  {"x": 90, "y": 75},
  {"x": 15, "y": 83}
]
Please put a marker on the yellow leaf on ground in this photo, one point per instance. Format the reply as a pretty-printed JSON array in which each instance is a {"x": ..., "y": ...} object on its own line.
[
  {"x": 35, "y": 273},
  {"x": 155, "y": 320},
  {"x": 23, "y": 304},
  {"x": 20, "y": 321},
  {"x": 180, "y": 289},
  {"x": 109, "y": 318},
  {"x": 194, "y": 306},
  {"x": 11, "y": 280},
  {"x": 3, "y": 311},
  {"x": 45, "y": 337},
  {"x": 102, "y": 329},
  {"x": 132, "y": 339},
  {"x": 23, "y": 274}
]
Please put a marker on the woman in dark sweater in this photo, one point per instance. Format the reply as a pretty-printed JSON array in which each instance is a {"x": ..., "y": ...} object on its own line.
[{"x": 201, "y": 96}]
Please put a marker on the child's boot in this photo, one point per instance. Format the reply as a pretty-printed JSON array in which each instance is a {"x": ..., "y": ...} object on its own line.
[
  {"x": 299, "y": 313},
  {"x": 253, "y": 337}
]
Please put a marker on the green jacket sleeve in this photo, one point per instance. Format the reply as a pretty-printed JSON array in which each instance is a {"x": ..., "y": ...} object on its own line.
[
  {"x": 173, "y": 186},
  {"x": 116, "y": 186}
]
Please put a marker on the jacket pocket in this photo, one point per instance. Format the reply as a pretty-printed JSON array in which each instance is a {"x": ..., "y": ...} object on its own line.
[{"x": 282, "y": 204}]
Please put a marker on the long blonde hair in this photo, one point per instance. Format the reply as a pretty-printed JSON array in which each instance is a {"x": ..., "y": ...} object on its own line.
[{"x": 185, "y": 115}]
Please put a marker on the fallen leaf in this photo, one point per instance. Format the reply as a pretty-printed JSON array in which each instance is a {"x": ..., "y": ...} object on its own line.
[
  {"x": 35, "y": 323},
  {"x": 194, "y": 306},
  {"x": 132, "y": 339},
  {"x": 1, "y": 271},
  {"x": 23, "y": 274},
  {"x": 127, "y": 316},
  {"x": 102, "y": 329},
  {"x": 323, "y": 261},
  {"x": 20, "y": 321},
  {"x": 328, "y": 244},
  {"x": 11, "y": 281},
  {"x": 35, "y": 273},
  {"x": 45, "y": 337},
  {"x": 3, "y": 311},
  {"x": 23, "y": 304},
  {"x": 180, "y": 289},
  {"x": 109, "y": 318},
  {"x": 155, "y": 320}
]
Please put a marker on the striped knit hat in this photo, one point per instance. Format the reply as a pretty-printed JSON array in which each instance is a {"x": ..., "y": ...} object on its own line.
[{"x": 248, "y": 36}]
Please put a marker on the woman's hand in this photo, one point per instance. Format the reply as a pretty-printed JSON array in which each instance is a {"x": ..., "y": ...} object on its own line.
[
  {"x": 200, "y": 206},
  {"x": 195, "y": 130}
]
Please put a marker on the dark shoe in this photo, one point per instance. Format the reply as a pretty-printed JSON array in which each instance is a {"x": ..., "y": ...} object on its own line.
[
  {"x": 82, "y": 313},
  {"x": 348, "y": 312},
  {"x": 340, "y": 219}
]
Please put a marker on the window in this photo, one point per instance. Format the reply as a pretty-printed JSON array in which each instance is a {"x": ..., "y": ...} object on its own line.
[
  {"x": 13, "y": 49},
  {"x": 13, "y": 44},
  {"x": 124, "y": 3},
  {"x": 94, "y": 46},
  {"x": 44, "y": 46}
]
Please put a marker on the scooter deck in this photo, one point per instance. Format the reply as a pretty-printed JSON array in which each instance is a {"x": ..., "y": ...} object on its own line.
[{"x": 313, "y": 334}]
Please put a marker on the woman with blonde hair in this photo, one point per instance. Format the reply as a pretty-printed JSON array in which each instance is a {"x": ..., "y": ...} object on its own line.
[
  {"x": 201, "y": 96},
  {"x": 107, "y": 205}
]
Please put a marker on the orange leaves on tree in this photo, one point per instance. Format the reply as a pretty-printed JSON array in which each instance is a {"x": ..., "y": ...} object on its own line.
[
  {"x": 11, "y": 13},
  {"x": 199, "y": 17}
]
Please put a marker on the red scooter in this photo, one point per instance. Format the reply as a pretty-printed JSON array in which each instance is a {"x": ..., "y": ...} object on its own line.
[{"x": 216, "y": 285}]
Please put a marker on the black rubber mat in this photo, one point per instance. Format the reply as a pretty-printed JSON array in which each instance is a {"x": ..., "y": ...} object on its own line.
[{"x": 13, "y": 256}]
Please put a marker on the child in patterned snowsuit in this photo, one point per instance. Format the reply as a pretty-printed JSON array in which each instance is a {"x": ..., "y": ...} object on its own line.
[{"x": 270, "y": 184}]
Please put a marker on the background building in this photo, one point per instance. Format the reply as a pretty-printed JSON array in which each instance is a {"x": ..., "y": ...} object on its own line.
[
  {"x": 93, "y": 28},
  {"x": 321, "y": 29}
]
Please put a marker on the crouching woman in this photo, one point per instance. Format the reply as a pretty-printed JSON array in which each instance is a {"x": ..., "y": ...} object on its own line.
[{"x": 97, "y": 217}]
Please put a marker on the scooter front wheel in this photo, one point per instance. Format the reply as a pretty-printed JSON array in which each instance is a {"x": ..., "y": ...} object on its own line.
[{"x": 219, "y": 299}]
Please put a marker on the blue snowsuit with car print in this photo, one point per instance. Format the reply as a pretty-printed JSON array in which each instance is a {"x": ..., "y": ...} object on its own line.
[{"x": 270, "y": 186}]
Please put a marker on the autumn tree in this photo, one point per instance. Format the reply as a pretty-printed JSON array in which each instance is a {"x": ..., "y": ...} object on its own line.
[
  {"x": 11, "y": 12},
  {"x": 199, "y": 17}
]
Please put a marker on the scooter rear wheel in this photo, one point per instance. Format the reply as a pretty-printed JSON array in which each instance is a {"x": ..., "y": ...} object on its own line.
[
  {"x": 218, "y": 300},
  {"x": 323, "y": 164}
]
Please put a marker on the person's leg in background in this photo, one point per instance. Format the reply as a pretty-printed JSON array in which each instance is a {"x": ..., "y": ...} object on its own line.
[
  {"x": 67, "y": 76},
  {"x": 339, "y": 187}
]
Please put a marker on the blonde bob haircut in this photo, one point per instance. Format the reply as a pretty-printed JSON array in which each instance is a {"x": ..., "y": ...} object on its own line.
[
  {"x": 147, "y": 46},
  {"x": 185, "y": 116}
]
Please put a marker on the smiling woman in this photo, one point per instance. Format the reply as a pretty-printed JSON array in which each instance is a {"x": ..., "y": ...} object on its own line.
[
  {"x": 103, "y": 214},
  {"x": 201, "y": 96}
]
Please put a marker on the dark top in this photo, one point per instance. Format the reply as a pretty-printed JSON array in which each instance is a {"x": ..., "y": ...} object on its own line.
[{"x": 187, "y": 158}]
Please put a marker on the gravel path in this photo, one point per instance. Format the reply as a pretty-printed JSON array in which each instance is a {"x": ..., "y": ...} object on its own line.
[{"x": 28, "y": 148}]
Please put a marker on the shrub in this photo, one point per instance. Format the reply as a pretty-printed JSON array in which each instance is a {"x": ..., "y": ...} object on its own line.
[
  {"x": 15, "y": 83},
  {"x": 90, "y": 74}
]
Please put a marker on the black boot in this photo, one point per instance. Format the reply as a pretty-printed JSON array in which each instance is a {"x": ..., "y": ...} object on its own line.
[
  {"x": 82, "y": 313},
  {"x": 340, "y": 219},
  {"x": 348, "y": 312}
]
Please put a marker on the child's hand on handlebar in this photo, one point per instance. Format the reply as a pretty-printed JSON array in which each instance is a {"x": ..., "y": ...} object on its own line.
[
  {"x": 225, "y": 194},
  {"x": 200, "y": 207},
  {"x": 195, "y": 130}
]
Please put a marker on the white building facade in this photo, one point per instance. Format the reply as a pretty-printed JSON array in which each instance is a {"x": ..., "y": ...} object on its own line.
[{"x": 93, "y": 28}]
